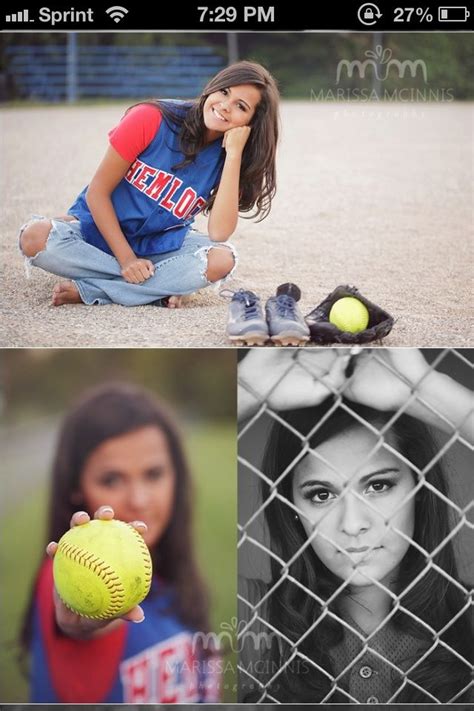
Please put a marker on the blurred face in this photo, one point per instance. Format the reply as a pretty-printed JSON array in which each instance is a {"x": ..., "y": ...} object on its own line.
[
  {"x": 355, "y": 527},
  {"x": 229, "y": 108},
  {"x": 134, "y": 474}
]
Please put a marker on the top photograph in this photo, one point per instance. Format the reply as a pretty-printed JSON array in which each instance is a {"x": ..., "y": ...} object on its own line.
[{"x": 236, "y": 189}]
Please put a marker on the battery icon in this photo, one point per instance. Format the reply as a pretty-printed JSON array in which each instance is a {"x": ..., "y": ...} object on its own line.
[{"x": 453, "y": 14}]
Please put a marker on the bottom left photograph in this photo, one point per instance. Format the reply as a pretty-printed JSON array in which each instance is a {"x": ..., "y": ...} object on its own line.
[{"x": 118, "y": 526}]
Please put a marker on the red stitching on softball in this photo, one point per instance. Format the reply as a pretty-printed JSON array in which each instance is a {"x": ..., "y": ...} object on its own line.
[{"x": 105, "y": 572}]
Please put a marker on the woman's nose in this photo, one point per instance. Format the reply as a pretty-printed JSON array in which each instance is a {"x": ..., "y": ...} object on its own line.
[
  {"x": 138, "y": 496},
  {"x": 355, "y": 515}
]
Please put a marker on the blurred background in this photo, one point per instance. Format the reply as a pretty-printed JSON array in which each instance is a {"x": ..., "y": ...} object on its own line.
[
  {"x": 72, "y": 66},
  {"x": 36, "y": 388}
]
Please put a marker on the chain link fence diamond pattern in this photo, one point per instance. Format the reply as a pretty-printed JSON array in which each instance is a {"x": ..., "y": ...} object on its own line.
[{"x": 299, "y": 637}]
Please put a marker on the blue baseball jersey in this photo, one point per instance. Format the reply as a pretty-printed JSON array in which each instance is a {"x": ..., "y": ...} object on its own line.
[
  {"x": 156, "y": 203},
  {"x": 151, "y": 662}
]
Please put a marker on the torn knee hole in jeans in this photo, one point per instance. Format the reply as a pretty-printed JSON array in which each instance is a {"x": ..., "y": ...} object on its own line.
[
  {"x": 27, "y": 261},
  {"x": 203, "y": 252}
]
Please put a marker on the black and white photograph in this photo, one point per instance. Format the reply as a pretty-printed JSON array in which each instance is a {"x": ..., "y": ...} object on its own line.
[{"x": 356, "y": 526}]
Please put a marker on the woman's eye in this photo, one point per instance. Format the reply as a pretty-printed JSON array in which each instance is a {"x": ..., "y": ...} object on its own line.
[
  {"x": 224, "y": 91},
  {"x": 379, "y": 486},
  {"x": 154, "y": 474},
  {"x": 321, "y": 496},
  {"x": 110, "y": 480}
]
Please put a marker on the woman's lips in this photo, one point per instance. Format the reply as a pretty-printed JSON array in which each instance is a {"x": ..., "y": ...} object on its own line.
[{"x": 219, "y": 115}]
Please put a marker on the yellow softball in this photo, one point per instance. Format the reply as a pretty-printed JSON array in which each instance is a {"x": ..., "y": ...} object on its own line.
[
  {"x": 349, "y": 315},
  {"x": 102, "y": 569}
]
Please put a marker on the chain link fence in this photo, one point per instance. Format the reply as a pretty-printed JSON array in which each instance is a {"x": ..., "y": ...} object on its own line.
[{"x": 356, "y": 526}]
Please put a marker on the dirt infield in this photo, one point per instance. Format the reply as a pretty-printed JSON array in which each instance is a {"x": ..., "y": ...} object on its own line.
[{"x": 375, "y": 196}]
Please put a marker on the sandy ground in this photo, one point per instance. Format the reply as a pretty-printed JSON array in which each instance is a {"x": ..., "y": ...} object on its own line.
[{"x": 375, "y": 196}]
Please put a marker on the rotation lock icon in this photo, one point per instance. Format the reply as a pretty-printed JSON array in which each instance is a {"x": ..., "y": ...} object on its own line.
[{"x": 369, "y": 13}]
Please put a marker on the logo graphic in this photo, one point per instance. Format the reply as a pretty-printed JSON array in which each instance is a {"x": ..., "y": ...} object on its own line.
[
  {"x": 381, "y": 62},
  {"x": 233, "y": 636},
  {"x": 117, "y": 12}
]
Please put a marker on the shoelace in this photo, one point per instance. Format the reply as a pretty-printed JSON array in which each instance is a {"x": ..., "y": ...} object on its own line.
[
  {"x": 247, "y": 298},
  {"x": 285, "y": 306},
  {"x": 250, "y": 302}
]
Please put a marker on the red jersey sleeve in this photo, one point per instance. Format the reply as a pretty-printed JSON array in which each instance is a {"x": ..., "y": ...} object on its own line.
[
  {"x": 82, "y": 671},
  {"x": 135, "y": 131}
]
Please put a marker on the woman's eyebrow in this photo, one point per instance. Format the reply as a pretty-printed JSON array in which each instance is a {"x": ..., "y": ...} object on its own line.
[
  {"x": 317, "y": 482},
  {"x": 378, "y": 472},
  {"x": 363, "y": 480},
  {"x": 242, "y": 100}
]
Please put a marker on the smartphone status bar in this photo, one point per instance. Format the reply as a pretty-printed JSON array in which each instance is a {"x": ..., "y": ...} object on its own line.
[{"x": 352, "y": 15}]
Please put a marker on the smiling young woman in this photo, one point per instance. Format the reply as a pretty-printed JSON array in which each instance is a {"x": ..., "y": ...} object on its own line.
[{"x": 128, "y": 238}]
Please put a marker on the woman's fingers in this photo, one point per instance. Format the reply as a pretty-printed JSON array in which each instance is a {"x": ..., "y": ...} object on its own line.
[
  {"x": 134, "y": 615},
  {"x": 150, "y": 267},
  {"x": 317, "y": 363},
  {"x": 139, "y": 526},
  {"x": 142, "y": 272},
  {"x": 79, "y": 518},
  {"x": 138, "y": 271},
  {"x": 235, "y": 139},
  {"x": 104, "y": 513},
  {"x": 51, "y": 549},
  {"x": 409, "y": 362},
  {"x": 337, "y": 375}
]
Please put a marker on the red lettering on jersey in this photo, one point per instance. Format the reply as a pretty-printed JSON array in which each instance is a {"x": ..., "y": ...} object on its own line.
[
  {"x": 133, "y": 169},
  {"x": 167, "y": 694},
  {"x": 137, "y": 681},
  {"x": 197, "y": 207},
  {"x": 137, "y": 181},
  {"x": 158, "y": 185},
  {"x": 167, "y": 673},
  {"x": 145, "y": 173},
  {"x": 166, "y": 201},
  {"x": 184, "y": 202}
]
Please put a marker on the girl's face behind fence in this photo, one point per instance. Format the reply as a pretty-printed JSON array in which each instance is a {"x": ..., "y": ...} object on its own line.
[
  {"x": 134, "y": 474},
  {"x": 358, "y": 528}
]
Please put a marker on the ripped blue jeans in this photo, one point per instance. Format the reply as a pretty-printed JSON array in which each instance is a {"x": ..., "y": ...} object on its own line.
[{"x": 98, "y": 277}]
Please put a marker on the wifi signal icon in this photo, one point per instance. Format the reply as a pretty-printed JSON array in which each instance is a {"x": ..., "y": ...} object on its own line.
[{"x": 117, "y": 12}]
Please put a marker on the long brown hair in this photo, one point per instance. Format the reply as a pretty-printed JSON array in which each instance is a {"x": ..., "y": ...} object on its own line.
[
  {"x": 109, "y": 411},
  {"x": 257, "y": 173},
  {"x": 432, "y": 598}
]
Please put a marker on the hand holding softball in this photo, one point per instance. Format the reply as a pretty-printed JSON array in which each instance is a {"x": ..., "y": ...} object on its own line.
[
  {"x": 69, "y": 621},
  {"x": 235, "y": 140}
]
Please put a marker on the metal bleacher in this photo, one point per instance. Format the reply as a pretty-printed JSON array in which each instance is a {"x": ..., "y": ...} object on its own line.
[{"x": 51, "y": 73}]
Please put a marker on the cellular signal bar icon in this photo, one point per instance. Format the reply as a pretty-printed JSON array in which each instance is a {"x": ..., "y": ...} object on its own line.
[{"x": 18, "y": 17}]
